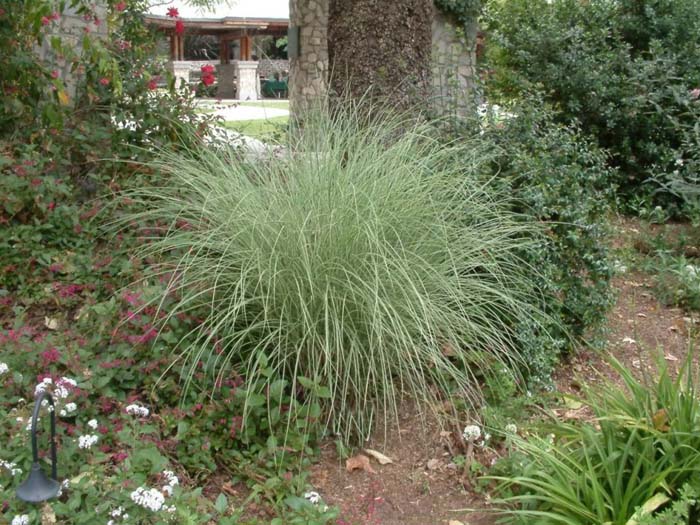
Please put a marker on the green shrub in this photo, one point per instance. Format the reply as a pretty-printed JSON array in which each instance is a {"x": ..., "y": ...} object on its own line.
[
  {"x": 625, "y": 70},
  {"x": 559, "y": 178},
  {"x": 362, "y": 266},
  {"x": 637, "y": 455}
]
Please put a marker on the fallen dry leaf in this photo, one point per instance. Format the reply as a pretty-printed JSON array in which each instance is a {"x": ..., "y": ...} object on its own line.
[
  {"x": 381, "y": 458},
  {"x": 433, "y": 464},
  {"x": 670, "y": 357},
  {"x": 660, "y": 420},
  {"x": 359, "y": 462},
  {"x": 629, "y": 341},
  {"x": 51, "y": 323},
  {"x": 454, "y": 522}
]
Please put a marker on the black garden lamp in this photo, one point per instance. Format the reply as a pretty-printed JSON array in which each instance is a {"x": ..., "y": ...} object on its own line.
[{"x": 37, "y": 487}]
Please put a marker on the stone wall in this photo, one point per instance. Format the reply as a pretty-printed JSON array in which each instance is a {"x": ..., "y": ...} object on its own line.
[
  {"x": 268, "y": 67},
  {"x": 453, "y": 67},
  {"x": 308, "y": 72},
  {"x": 71, "y": 28}
]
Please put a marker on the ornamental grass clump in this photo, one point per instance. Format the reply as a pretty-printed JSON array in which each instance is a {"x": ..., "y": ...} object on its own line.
[{"x": 363, "y": 265}]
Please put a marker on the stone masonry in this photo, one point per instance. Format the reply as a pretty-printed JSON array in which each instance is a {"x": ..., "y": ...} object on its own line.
[
  {"x": 453, "y": 67},
  {"x": 308, "y": 72}
]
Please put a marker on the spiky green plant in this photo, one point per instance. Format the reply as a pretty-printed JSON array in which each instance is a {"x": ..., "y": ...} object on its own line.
[
  {"x": 641, "y": 450},
  {"x": 362, "y": 265}
]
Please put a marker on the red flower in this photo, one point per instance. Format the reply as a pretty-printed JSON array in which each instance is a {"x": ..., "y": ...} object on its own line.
[
  {"x": 179, "y": 27},
  {"x": 120, "y": 6},
  {"x": 54, "y": 74},
  {"x": 104, "y": 81},
  {"x": 173, "y": 12},
  {"x": 207, "y": 68},
  {"x": 45, "y": 20},
  {"x": 152, "y": 84}
]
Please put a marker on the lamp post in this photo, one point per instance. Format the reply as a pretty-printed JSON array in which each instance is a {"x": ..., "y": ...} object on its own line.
[{"x": 38, "y": 487}]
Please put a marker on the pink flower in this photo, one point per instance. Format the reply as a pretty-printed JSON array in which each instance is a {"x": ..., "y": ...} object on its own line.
[
  {"x": 120, "y": 6},
  {"x": 45, "y": 20},
  {"x": 54, "y": 74},
  {"x": 152, "y": 84},
  {"x": 173, "y": 12},
  {"x": 695, "y": 93},
  {"x": 207, "y": 68},
  {"x": 55, "y": 15},
  {"x": 49, "y": 356},
  {"x": 104, "y": 81},
  {"x": 179, "y": 27}
]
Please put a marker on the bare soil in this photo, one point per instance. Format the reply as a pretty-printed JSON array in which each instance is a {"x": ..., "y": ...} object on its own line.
[{"x": 423, "y": 487}]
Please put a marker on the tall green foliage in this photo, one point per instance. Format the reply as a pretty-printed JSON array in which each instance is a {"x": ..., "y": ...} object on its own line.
[{"x": 363, "y": 266}]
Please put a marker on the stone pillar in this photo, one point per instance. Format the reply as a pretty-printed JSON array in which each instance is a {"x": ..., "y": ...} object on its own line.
[
  {"x": 71, "y": 28},
  {"x": 181, "y": 72},
  {"x": 308, "y": 72},
  {"x": 226, "y": 74},
  {"x": 453, "y": 67},
  {"x": 248, "y": 80}
]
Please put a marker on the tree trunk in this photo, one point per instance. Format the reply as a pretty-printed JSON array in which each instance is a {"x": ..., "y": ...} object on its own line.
[{"x": 381, "y": 49}]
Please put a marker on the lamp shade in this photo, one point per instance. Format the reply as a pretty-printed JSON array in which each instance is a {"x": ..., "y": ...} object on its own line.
[{"x": 38, "y": 486}]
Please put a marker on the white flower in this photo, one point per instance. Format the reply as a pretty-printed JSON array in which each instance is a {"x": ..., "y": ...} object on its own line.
[
  {"x": 11, "y": 467},
  {"x": 137, "y": 410},
  {"x": 42, "y": 386},
  {"x": 21, "y": 519},
  {"x": 65, "y": 485},
  {"x": 511, "y": 429},
  {"x": 313, "y": 496},
  {"x": 92, "y": 424},
  {"x": 151, "y": 499},
  {"x": 471, "y": 433},
  {"x": 117, "y": 512},
  {"x": 171, "y": 478},
  {"x": 629, "y": 341},
  {"x": 4, "y": 368},
  {"x": 87, "y": 441}
]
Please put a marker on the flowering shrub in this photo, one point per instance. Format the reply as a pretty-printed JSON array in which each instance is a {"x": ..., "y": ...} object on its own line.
[{"x": 70, "y": 116}]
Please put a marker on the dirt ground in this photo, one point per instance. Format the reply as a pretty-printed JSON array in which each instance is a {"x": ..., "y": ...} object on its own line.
[{"x": 422, "y": 487}]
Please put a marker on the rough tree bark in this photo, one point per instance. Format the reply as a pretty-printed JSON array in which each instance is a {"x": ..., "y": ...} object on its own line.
[{"x": 381, "y": 48}]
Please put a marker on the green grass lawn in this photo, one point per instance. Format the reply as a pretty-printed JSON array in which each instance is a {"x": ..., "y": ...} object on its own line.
[
  {"x": 267, "y": 103},
  {"x": 263, "y": 129}
]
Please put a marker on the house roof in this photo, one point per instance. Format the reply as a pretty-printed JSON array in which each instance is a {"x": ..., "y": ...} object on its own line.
[{"x": 224, "y": 9}]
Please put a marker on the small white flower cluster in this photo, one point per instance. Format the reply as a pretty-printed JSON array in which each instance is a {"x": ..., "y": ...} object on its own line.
[
  {"x": 20, "y": 519},
  {"x": 61, "y": 389},
  {"x": 117, "y": 514},
  {"x": 68, "y": 410},
  {"x": 151, "y": 499},
  {"x": 511, "y": 429},
  {"x": 10, "y": 467},
  {"x": 472, "y": 434},
  {"x": 87, "y": 441},
  {"x": 65, "y": 485},
  {"x": 170, "y": 482},
  {"x": 313, "y": 496},
  {"x": 4, "y": 368},
  {"x": 92, "y": 424},
  {"x": 137, "y": 410}
]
